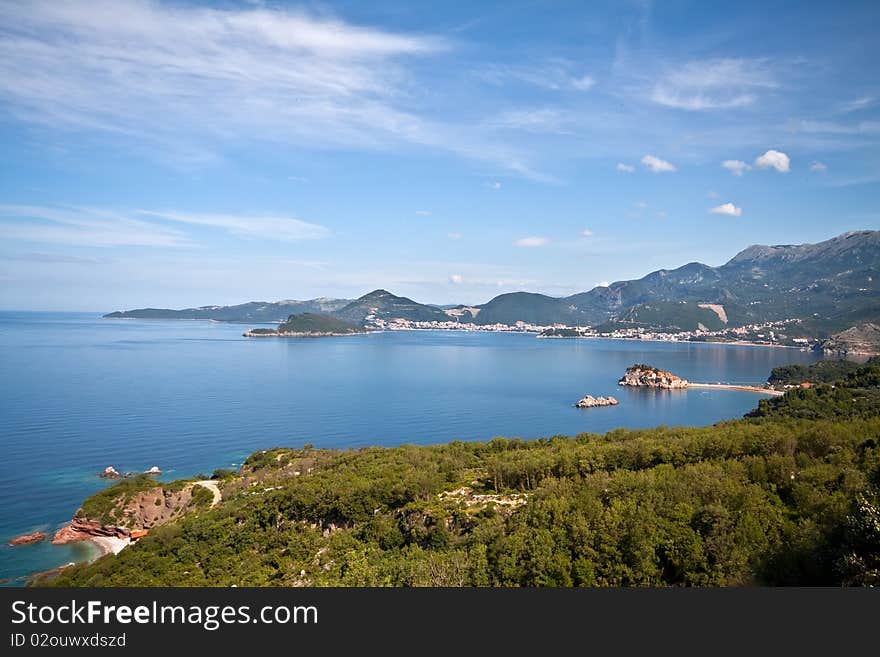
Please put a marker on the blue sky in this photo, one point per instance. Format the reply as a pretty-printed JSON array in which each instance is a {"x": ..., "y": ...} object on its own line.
[{"x": 177, "y": 153}]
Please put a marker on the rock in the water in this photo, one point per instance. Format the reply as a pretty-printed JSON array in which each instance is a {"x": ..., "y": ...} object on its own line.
[
  {"x": 651, "y": 377},
  {"x": 154, "y": 470},
  {"x": 589, "y": 401},
  {"x": 27, "y": 539},
  {"x": 110, "y": 473}
]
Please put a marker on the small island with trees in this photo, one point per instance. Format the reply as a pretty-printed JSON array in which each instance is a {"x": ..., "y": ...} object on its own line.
[
  {"x": 652, "y": 377},
  {"x": 307, "y": 325}
]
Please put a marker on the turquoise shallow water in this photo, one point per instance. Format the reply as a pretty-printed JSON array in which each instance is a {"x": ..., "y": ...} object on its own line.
[{"x": 80, "y": 393}]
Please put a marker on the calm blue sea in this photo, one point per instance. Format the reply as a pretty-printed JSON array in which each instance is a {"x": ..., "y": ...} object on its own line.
[{"x": 79, "y": 393}]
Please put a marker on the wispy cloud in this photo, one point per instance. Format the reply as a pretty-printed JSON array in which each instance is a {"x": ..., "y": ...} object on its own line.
[
  {"x": 87, "y": 226},
  {"x": 818, "y": 167},
  {"x": 544, "y": 119},
  {"x": 727, "y": 209},
  {"x": 656, "y": 165},
  {"x": 531, "y": 242},
  {"x": 183, "y": 82},
  {"x": 586, "y": 232},
  {"x": 456, "y": 279},
  {"x": 454, "y": 236},
  {"x": 836, "y": 128},
  {"x": 625, "y": 168},
  {"x": 423, "y": 213},
  {"x": 736, "y": 167},
  {"x": 57, "y": 259},
  {"x": 713, "y": 84},
  {"x": 277, "y": 228},
  {"x": 554, "y": 75},
  {"x": 84, "y": 227},
  {"x": 858, "y": 104}
]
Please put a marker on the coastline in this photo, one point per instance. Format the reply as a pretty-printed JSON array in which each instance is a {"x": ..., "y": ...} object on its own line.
[{"x": 730, "y": 386}]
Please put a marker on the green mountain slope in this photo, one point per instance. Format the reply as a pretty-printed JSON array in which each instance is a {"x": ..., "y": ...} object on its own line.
[
  {"x": 309, "y": 324},
  {"x": 833, "y": 284},
  {"x": 253, "y": 311},
  {"x": 381, "y": 304},
  {"x": 788, "y": 497}
]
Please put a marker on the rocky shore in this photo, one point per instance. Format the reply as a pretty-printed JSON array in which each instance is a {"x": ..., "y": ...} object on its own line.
[
  {"x": 82, "y": 529},
  {"x": 268, "y": 333},
  {"x": 651, "y": 377}
]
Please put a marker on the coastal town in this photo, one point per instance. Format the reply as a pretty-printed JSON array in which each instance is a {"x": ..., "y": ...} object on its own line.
[{"x": 766, "y": 333}]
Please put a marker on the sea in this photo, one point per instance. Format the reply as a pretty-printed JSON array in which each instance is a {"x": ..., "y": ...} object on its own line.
[{"x": 79, "y": 393}]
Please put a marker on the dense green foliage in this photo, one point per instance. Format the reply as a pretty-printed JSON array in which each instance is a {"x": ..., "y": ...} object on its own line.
[
  {"x": 775, "y": 499},
  {"x": 311, "y": 323},
  {"x": 825, "y": 371},
  {"x": 855, "y": 395}
]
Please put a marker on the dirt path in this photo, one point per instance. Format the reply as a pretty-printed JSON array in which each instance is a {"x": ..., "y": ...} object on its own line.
[{"x": 211, "y": 486}]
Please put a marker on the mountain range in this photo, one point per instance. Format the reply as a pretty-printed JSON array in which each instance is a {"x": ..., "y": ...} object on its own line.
[{"x": 831, "y": 286}]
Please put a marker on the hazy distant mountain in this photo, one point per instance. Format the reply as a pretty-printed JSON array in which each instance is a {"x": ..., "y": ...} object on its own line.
[
  {"x": 833, "y": 285},
  {"x": 381, "y": 304},
  {"x": 254, "y": 311}
]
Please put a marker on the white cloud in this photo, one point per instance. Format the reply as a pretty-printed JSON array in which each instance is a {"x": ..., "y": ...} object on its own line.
[
  {"x": 531, "y": 242},
  {"x": 423, "y": 213},
  {"x": 495, "y": 185},
  {"x": 713, "y": 84},
  {"x": 728, "y": 209},
  {"x": 712, "y": 194},
  {"x": 454, "y": 236},
  {"x": 656, "y": 165},
  {"x": 456, "y": 279},
  {"x": 661, "y": 214},
  {"x": 641, "y": 205},
  {"x": 736, "y": 167},
  {"x": 775, "y": 159},
  {"x": 586, "y": 232},
  {"x": 625, "y": 168},
  {"x": 818, "y": 166}
]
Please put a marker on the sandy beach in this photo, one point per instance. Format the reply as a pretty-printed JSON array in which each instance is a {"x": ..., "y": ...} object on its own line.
[
  {"x": 725, "y": 386},
  {"x": 108, "y": 544}
]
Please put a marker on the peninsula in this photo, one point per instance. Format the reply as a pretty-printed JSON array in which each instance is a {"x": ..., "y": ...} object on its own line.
[{"x": 307, "y": 325}]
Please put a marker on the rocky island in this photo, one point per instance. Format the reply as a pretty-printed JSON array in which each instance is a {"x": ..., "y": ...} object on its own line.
[
  {"x": 28, "y": 539},
  {"x": 651, "y": 377},
  {"x": 307, "y": 325},
  {"x": 589, "y": 401}
]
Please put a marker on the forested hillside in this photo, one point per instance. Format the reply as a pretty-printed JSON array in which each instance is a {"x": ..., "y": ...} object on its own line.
[{"x": 788, "y": 496}]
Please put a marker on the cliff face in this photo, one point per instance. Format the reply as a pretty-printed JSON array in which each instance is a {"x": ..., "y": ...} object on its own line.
[
  {"x": 861, "y": 339},
  {"x": 645, "y": 375},
  {"x": 142, "y": 510}
]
